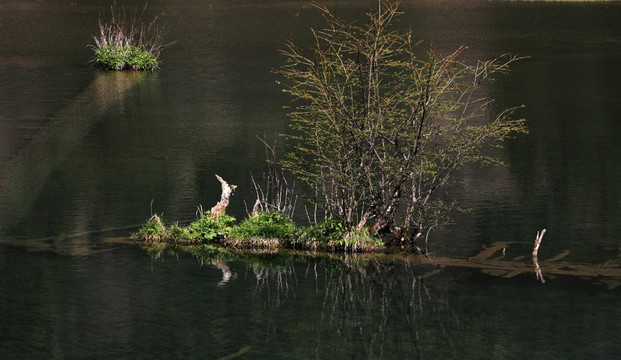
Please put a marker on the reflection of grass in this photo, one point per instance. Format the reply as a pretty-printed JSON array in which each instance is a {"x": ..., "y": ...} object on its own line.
[
  {"x": 487, "y": 261},
  {"x": 267, "y": 230},
  {"x": 262, "y": 258},
  {"x": 208, "y": 253}
]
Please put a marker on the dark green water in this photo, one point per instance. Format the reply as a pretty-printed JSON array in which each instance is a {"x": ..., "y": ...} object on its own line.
[{"x": 84, "y": 154}]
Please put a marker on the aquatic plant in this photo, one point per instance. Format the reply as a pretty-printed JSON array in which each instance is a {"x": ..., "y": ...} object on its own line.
[
  {"x": 126, "y": 43},
  {"x": 266, "y": 230},
  {"x": 109, "y": 57},
  {"x": 153, "y": 230},
  {"x": 262, "y": 230}
]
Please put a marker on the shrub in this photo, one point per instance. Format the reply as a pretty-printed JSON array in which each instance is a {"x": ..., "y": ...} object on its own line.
[{"x": 378, "y": 130}]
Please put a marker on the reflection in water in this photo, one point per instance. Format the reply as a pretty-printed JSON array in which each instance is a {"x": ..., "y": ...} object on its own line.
[
  {"x": 333, "y": 306},
  {"x": 361, "y": 309},
  {"x": 123, "y": 304},
  {"x": 373, "y": 310},
  {"x": 226, "y": 272}
]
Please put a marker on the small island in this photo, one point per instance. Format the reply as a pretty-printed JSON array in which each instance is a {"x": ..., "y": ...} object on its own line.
[
  {"x": 262, "y": 230},
  {"x": 126, "y": 43}
]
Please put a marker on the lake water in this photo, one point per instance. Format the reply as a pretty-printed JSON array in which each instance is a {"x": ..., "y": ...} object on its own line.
[{"x": 86, "y": 157}]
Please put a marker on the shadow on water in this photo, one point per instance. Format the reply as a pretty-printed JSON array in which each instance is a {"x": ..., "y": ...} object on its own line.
[{"x": 30, "y": 170}]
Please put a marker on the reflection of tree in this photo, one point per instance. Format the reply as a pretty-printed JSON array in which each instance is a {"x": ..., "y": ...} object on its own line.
[
  {"x": 387, "y": 306},
  {"x": 277, "y": 283},
  {"x": 292, "y": 306},
  {"x": 374, "y": 312}
]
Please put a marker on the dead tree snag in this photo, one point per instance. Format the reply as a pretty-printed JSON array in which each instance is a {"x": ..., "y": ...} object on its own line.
[{"x": 227, "y": 191}]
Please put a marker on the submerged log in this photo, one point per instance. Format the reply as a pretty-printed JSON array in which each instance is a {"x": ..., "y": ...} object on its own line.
[
  {"x": 488, "y": 263},
  {"x": 227, "y": 191}
]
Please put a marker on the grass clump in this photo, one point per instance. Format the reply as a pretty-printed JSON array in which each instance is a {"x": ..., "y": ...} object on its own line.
[
  {"x": 203, "y": 230},
  {"x": 209, "y": 230},
  {"x": 153, "y": 231},
  {"x": 126, "y": 43},
  {"x": 321, "y": 234},
  {"x": 359, "y": 240},
  {"x": 270, "y": 230},
  {"x": 266, "y": 229},
  {"x": 109, "y": 57}
]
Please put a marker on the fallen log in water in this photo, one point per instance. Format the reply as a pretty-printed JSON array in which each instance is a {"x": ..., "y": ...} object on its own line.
[{"x": 491, "y": 260}]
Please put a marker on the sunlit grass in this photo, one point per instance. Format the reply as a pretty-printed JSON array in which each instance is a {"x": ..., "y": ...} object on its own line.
[
  {"x": 266, "y": 230},
  {"x": 125, "y": 42}
]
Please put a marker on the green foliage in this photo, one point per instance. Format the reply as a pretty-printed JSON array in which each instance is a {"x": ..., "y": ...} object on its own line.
[
  {"x": 205, "y": 229},
  {"x": 109, "y": 57},
  {"x": 126, "y": 43},
  {"x": 359, "y": 240},
  {"x": 377, "y": 130},
  {"x": 208, "y": 229},
  {"x": 266, "y": 225},
  {"x": 322, "y": 233},
  {"x": 183, "y": 235},
  {"x": 153, "y": 231},
  {"x": 267, "y": 230}
]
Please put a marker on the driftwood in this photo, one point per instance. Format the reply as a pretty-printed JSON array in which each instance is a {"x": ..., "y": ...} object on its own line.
[
  {"x": 491, "y": 260},
  {"x": 227, "y": 191}
]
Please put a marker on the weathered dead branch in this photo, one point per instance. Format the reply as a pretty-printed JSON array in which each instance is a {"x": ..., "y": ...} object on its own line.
[
  {"x": 538, "y": 271},
  {"x": 538, "y": 242},
  {"x": 227, "y": 191}
]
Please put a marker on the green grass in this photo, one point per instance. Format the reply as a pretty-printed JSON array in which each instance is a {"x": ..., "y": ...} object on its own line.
[
  {"x": 128, "y": 57},
  {"x": 153, "y": 231},
  {"x": 322, "y": 234},
  {"x": 268, "y": 225},
  {"x": 209, "y": 230},
  {"x": 124, "y": 42},
  {"x": 268, "y": 230}
]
